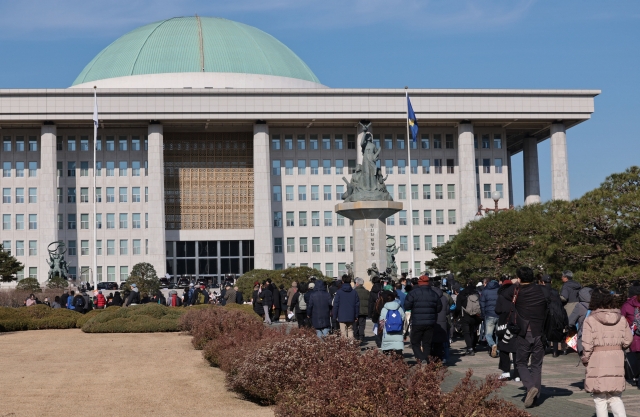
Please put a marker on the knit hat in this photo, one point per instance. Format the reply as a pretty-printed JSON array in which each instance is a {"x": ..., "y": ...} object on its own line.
[
  {"x": 546, "y": 278},
  {"x": 387, "y": 288},
  {"x": 423, "y": 280}
]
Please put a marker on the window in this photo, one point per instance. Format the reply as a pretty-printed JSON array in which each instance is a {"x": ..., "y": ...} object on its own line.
[
  {"x": 338, "y": 142},
  {"x": 98, "y": 220},
  {"x": 416, "y": 244},
  {"x": 111, "y": 221},
  {"x": 6, "y": 169},
  {"x": 341, "y": 244},
  {"x": 111, "y": 194},
  {"x": 20, "y": 195},
  {"x": 302, "y": 192},
  {"x": 135, "y": 220},
  {"x": 71, "y": 195},
  {"x": 124, "y": 247},
  {"x": 351, "y": 166},
  {"x": 388, "y": 141},
  {"x": 146, "y": 168},
  {"x": 277, "y": 193},
  {"x": 6, "y": 222},
  {"x": 452, "y": 217},
  {"x": 146, "y": 220},
  {"x": 315, "y": 244},
  {"x": 477, "y": 168},
  {"x": 302, "y": 219},
  {"x": 485, "y": 141},
  {"x": 388, "y": 166},
  {"x": 19, "y": 221},
  {"x": 391, "y": 220},
  {"x": 6, "y": 195},
  {"x": 326, "y": 142},
  {"x": 277, "y": 244},
  {"x": 450, "y": 166},
  {"x": 289, "y": 192},
  {"x": 314, "y": 166},
  {"x": 414, "y": 192},
  {"x": 339, "y": 166},
  {"x": 288, "y": 167},
  {"x": 124, "y": 223},
  {"x": 277, "y": 219},
  {"x": 402, "y": 192},
  {"x": 328, "y": 244},
  {"x": 19, "y": 247},
  {"x": 328, "y": 218},
  {"x": 6, "y": 246},
  {"x": 426, "y": 192},
  {"x": 313, "y": 142},
  {"x": 111, "y": 247},
  {"x": 487, "y": 190},
  {"x": 428, "y": 242},
  {"x": 498, "y": 164},
  {"x": 414, "y": 166},
  {"x": 135, "y": 194},
  {"x": 390, "y": 189},
  {"x": 98, "y": 144},
  {"x": 497, "y": 141},
  {"x": 339, "y": 192},
  {"x": 439, "y": 216},
  {"x": 71, "y": 144},
  {"x": 486, "y": 166},
  {"x": 122, "y": 171},
  {"x": 60, "y": 222},
  {"x": 351, "y": 141},
  {"x": 448, "y": 141},
  {"x": 451, "y": 191},
  {"x": 327, "y": 192},
  {"x": 275, "y": 142},
  {"x": 19, "y": 169},
  {"x": 303, "y": 244},
  {"x": 122, "y": 143},
  {"x": 20, "y": 143},
  {"x": 404, "y": 245},
  {"x": 124, "y": 273},
  {"x": 437, "y": 166},
  {"x": 288, "y": 142},
  {"x": 135, "y": 168},
  {"x": 328, "y": 268},
  {"x": 302, "y": 143},
  {"x": 403, "y": 218},
  {"x": 415, "y": 217},
  {"x": 84, "y": 221},
  {"x": 99, "y": 273},
  {"x": 72, "y": 249},
  {"x": 302, "y": 166},
  {"x": 424, "y": 142},
  {"x": 402, "y": 164},
  {"x": 290, "y": 219},
  {"x": 84, "y": 248},
  {"x": 84, "y": 195},
  {"x": 59, "y": 170},
  {"x": 275, "y": 167},
  {"x": 111, "y": 273},
  {"x": 499, "y": 188},
  {"x": 339, "y": 220},
  {"x": 98, "y": 168},
  {"x": 98, "y": 194},
  {"x": 440, "y": 240},
  {"x": 33, "y": 169},
  {"x": 315, "y": 192},
  {"x": 437, "y": 141},
  {"x": 71, "y": 221},
  {"x": 315, "y": 218},
  {"x": 111, "y": 166},
  {"x": 6, "y": 144},
  {"x": 439, "y": 194},
  {"x": 291, "y": 244}
]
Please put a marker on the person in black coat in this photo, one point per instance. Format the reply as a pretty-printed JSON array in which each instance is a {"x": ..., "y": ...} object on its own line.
[
  {"x": 440, "y": 341},
  {"x": 301, "y": 313},
  {"x": 276, "y": 303},
  {"x": 283, "y": 301},
  {"x": 319, "y": 309},
  {"x": 373, "y": 297},
  {"x": 266, "y": 296},
  {"x": 506, "y": 344},
  {"x": 469, "y": 323},
  {"x": 63, "y": 299},
  {"x": 256, "y": 301},
  {"x": 117, "y": 299},
  {"x": 239, "y": 296},
  {"x": 424, "y": 304}
]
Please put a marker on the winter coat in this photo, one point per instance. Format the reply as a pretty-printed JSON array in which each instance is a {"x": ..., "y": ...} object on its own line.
[
  {"x": 117, "y": 299},
  {"x": 100, "y": 301},
  {"x": 230, "y": 297},
  {"x": 392, "y": 341},
  {"x": 363, "y": 295},
  {"x": 239, "y": 297},
  {"x": 373, "y": 297},
  {"x": 401, "y": 296},
  {"x": 63, "y": 300},
  {"x": 569, "y": 291},
  {"x": 283, "y": 300},
  {"x": 290, "y": 292},
  {"x": 346, "y": 305},
  {"x": 579, "y": 312},
  {"x": 174, "y": 300},
  {"x": 267, "y": 298},
  {"x": 275, "y": 293},
  {"x": 503, "y": 307},
  {"x": 133, "y": 298},
  {"x": 556, "y": 309},
  {"x": 489, "y": 298},
  {"x": 531, "y": 306},
  {"x": 424, "y": 305},
  {"x": 257, "y": 304},
  {"x": 75, "y": 301},
  {"x": 295, "y": 305},
  {"x": 628, "y": 312},
  {"x": 55, "y": 305},
  {"x": 87, "y": 301},
  {"x": 319, "y": 306},
  {"x": 441, "y": 332},
  {"x": 605, "y": 368}
]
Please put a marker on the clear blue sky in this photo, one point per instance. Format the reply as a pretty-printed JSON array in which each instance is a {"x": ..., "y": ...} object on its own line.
[{"x": 566, "y": 44}]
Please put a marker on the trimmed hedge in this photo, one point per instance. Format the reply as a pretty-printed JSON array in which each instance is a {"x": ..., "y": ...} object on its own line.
[
  {"x": 38, "y": 317},
  {"x": 145, "y": 318}
]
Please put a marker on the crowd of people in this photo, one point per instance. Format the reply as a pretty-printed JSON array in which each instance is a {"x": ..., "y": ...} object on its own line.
[{"x": 521, "y": 319}]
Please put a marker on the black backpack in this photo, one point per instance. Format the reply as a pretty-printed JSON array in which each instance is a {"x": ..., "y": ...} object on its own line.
[
  {"x": 555, "y": 322},
  {"x": 79, "y": 303}
]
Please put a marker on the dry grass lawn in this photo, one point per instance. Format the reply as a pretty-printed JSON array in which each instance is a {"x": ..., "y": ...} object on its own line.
[{"x": 67, "y": 372}]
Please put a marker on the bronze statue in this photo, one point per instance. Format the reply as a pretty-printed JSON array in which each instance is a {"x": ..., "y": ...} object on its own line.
[
  {"x": 57, "y": 264},
  {"x": 373, "y": 272},
  {"x": 392, "y": 251}
]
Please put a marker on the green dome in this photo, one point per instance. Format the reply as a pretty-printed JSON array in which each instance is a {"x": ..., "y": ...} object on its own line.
[{"x": 195, "y": 44}]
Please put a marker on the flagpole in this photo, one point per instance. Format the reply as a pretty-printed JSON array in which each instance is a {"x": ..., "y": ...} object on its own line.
[
  {"x": 406, "y": 93},
  {"x": 93, "y": 219}
]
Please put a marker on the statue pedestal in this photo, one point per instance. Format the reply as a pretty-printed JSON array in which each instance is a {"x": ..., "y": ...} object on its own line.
[{"x": 369, "y": 233}]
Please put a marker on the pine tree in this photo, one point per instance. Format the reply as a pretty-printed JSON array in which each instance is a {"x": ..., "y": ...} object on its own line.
[{"x": 9, "y": 266}]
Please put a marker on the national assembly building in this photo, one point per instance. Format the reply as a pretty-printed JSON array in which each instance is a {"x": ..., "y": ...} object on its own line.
[{"x": 219, "y": 151}]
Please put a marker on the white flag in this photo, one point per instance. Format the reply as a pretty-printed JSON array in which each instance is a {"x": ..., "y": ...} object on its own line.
[{"x": 95, "y": 109}]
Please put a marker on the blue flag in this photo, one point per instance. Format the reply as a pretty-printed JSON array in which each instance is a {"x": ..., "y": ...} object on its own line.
[{"x": 413, "y": 122}]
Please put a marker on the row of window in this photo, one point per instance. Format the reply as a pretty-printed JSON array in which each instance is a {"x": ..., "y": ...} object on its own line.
[
  {"x": 302, "y": 219},
  {"x": 123, "y": 142},
  {"x": 317, "y": 245},
  {"x": 110, "y": 168},
  {"x": 427, "y": 141},
  {"x": 72, "y": 247},
  {"x": 20, "y": 221},
  {"x": 327, "y": 192},
  {"x": 328, "y": 270},
  {"x": 19, "y": 195},
  {"x": 123, "y": 221},
  {"x": 20, "y": 168},
  {"x": 110, "y": 196},
  {"x": 32, "y": 142}
]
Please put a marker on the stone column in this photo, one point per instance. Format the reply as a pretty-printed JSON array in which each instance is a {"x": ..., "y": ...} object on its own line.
[
  {"x": 510, "y": 175},
  {"x": 262, "y": 222},
  {"x": 466, "y": 167},
  {"x": 559, "y": 163},
  {"x": 155, "y": 207},
  {"x": 531, "y": 171},
  {"x": 47, "y": 204}
]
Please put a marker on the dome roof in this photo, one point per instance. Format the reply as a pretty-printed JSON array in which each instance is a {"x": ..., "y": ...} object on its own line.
[{"x": 196, "y": 45}]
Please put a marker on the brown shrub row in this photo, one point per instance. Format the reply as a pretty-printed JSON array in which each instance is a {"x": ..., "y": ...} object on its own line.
[{"x": 306, "y": 376}]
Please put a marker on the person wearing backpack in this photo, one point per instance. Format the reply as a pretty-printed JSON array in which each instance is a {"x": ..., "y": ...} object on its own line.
[
  {"x": 299, "y": 305},
  {"x": 470, "y": 313},
  {"x": 78, "y": 303},
  {"x": 424, "y": 305},
  {"x": 579, "y": 313},
  {"x": 392, "y": 323}
]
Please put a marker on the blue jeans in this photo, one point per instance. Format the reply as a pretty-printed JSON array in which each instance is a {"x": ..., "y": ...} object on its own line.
[
  {"x": 322, "y": 332},
  {"x": 490, "y": 325}
]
